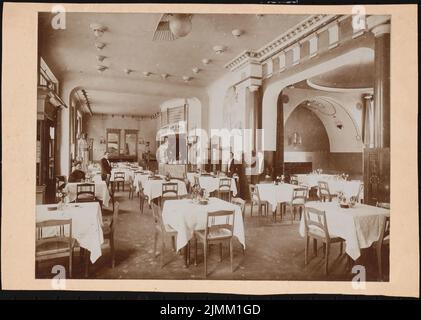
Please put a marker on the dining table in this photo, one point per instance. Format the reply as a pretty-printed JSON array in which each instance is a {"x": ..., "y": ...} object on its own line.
[
  {"x": 152, "y": 186},
  {"x": 211, "y": 182},
  {"x": 86, "y": 224},
  {"x": 101, "y": 191},
  {"x": 275, "y": 194},
  {"x": 185, "y": 216},
  {"x": 360, "y": 226}
]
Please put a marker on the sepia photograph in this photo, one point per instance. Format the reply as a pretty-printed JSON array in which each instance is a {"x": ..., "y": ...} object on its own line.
[{"x": 195, "y": 145}]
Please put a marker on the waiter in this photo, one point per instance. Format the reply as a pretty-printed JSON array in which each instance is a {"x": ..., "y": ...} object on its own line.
[
  {"x": 231, "y": 165},
  {"x": 105, "y": 168}
]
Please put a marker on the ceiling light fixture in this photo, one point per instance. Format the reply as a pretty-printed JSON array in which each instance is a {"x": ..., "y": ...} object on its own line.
[
  {"x": 146, "y": 73},
  {"x": 100, "y": 58},
  {"x": 128, "y": 71},
  {"x": 180, "y": 24},
  {"x": 101, "y": 68},
  {"x": 164, "y": 75},
  {"x": 98, "y": 29},
  {"x": 206, "y": 61},
  {"x": 99, "y": 45},
  {"x": 218, "y": 49},
  {"x": 236, "y": 32},
  {"x": 196, "y": 70},
  {"x": 186, "y": 78}
]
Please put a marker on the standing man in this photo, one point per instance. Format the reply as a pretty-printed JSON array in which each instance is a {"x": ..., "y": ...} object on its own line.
[
  {"x": 231, "y": 165},
  {"x": 105, "y": 168}
]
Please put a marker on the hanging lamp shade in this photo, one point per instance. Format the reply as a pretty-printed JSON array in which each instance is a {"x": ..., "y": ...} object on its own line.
[{"x": 180, "y": 24}]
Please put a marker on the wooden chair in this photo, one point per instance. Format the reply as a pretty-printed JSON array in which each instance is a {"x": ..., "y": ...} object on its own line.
[
  {"x": 219, "y": 230},
  {"x": 85, "y": 192},
  {"x": 142, "y": 196},
  {"x": 293, "y": 180},
  {"x": 162, "y": 230},
  {"x": 119, "y": 179},
  {"x": 379, "y": 244},
  {"x": 316, "y": 228},
  {"x": 131, "y": 187},
  {"x": 169, "y": 192},
  {"x": 58, "y": 246},
  {"x": 224, "y": 189},
  {"x": 297, "y": 203},
  {"x": 324, "y": 192},
  {"x": 255, "y": 199},
  {"x": 109, "y": 229}
]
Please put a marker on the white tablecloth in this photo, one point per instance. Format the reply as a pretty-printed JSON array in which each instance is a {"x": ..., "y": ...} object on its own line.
[
  {"x": 142, "y": 178},
  {"x": 360, "y": 226},
  {"x": 153, "y": 188},
  {"x": 101, "y": 191},
  {"x": 211, "y": 184},
  {"x": 185, "y": 217},
  {"x": 86, "y": 224},
  {"x": 312, "y": 179},
  {"x": 349, "y": 188},
  {"x": 127, "y": 173},
  {"x": 275, "y": 194}
]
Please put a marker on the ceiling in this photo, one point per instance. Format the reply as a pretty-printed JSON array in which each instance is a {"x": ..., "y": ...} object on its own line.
[{"x": 129, "y": 45}]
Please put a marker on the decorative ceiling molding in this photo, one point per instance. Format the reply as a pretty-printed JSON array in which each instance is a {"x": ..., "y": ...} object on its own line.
[
  {"x": 288, "y": 38},
  {"x": 335, "y": 89}
]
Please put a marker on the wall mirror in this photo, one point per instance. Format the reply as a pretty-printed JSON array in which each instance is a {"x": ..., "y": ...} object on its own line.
[
  {"x": 130, "y": 143},
  {"x": 113, "y": 141}
]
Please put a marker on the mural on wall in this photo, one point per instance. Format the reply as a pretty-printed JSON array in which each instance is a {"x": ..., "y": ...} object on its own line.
[{"x": 233, "y": 114}]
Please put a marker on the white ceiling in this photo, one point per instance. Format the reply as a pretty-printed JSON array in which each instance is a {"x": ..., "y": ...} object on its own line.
[{"x": 129, "y": 45}]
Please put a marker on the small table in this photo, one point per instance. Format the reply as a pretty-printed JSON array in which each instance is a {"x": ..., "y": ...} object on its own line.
[
  {"x": 359, "y": 226},
  {"x": 153, "y": 187}
]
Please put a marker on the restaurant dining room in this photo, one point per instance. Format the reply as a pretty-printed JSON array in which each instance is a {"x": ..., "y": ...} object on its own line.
[{"x": 200, "y": 146}]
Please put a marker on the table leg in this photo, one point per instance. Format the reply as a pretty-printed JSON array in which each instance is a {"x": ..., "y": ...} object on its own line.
[
  {"x": 187, "y": 255},
  {"x": 87, "y": 263}
]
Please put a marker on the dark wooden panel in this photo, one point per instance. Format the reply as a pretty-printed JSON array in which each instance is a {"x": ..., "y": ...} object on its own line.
[{"x": 376, "y": 175}]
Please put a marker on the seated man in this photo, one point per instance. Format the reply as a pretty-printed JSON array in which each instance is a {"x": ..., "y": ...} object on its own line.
[{"x": 77, "y": 174}]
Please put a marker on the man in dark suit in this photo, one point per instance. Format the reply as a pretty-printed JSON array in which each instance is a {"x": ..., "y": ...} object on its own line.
[
  {"x": 105, "y": 168},
  {"x": 231, "y": 165}
]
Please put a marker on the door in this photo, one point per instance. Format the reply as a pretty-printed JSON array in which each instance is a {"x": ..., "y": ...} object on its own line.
[{"x": 376, "y": 175}]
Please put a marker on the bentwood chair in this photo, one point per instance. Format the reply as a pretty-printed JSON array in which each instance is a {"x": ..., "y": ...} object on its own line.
[
  {"x": 119, "y": 179},
  {"x": 316, "y": 228},
  {"x": 224, "y": 190},
  {"x": 57, "y": 246},
  {"x": 255, "y": 200},
  {"x": 219, "y": 230},
  {"x": 242, "y": 204},
  {"x": 297, "y": 203},
  {"x": 162, "y": 230},
  {"x": 293, "y": 180},
  {"x": 109, "y": 230},
  {"x": 381, "y": 243},
  {"x": 131, "y": 187},
  {"x": 85, "y": 192},
  {"x": 142, "y": 196},
  {"x": 169, "y": 192},
  {"x": 324, "y": 192}
]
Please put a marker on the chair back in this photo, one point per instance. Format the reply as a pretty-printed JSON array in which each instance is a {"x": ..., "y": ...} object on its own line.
[
  {"x": 220, "y": 223},
  {"x": 85, "y": 192},
  {"x": 299, "y": 195},
  {"x": 61, "y": 236},
  {"x": 315, "y": 222},
  {"x": 323, "y": 188},
  {"x": 385, "y": 230},
  {"x": 119, "y": 176},
  {"x": 254, "y": 192},
  {"x": 225, "y": 184},
  {"x": 293, "y": 180},
  {"x": 170, "y": 190},
  {"x": 157, "y": 215}
]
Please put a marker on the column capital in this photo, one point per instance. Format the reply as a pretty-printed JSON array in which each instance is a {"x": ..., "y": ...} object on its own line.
[{"x": 379, "y": 25}]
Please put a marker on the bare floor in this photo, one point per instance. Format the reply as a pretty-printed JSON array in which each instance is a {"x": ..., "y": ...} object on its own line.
[{"x": 274, "y": 251}]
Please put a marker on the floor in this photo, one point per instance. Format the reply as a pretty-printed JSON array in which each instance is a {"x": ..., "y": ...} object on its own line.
[{"x": 275, "y": 251}]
